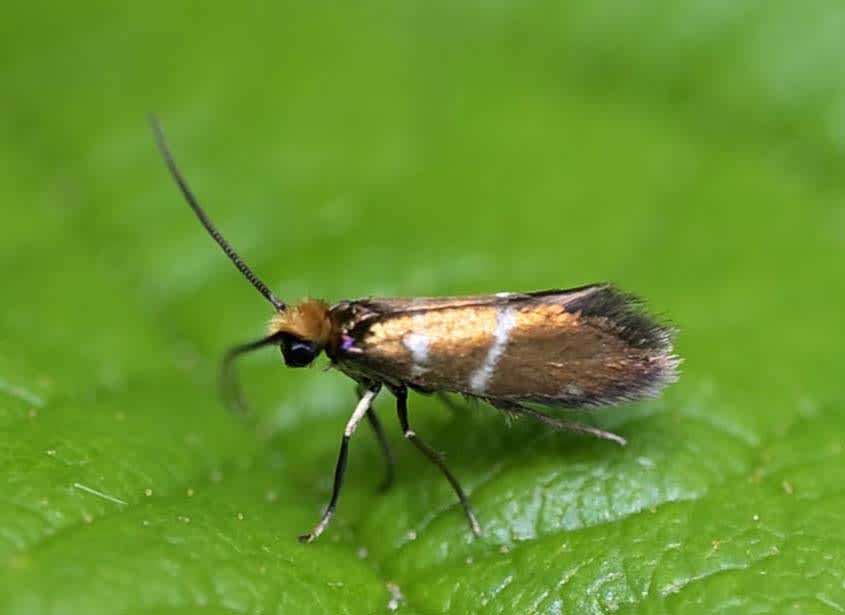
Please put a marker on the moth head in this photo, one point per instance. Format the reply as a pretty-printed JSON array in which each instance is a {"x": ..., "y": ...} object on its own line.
[{"x": 304, "y": 330}]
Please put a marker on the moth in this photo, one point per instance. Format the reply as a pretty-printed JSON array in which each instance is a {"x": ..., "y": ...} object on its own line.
[{"x": 574, "y": 348}]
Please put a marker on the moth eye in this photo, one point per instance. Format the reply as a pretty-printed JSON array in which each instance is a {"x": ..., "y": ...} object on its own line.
[{"x": 299, "y": 353}]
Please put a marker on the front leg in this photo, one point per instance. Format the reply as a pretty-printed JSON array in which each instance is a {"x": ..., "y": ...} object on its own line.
[
  {"x": 360, "y": 411},
  {"x": 434, "y": 457}
]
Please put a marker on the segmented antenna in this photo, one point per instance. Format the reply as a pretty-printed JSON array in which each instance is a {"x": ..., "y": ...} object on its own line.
[
  {"x": 229, "y": 386},
  {"x": 206, "y": 222}
]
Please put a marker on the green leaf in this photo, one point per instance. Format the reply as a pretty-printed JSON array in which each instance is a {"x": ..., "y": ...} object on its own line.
[{"x": 691, "y": 152}]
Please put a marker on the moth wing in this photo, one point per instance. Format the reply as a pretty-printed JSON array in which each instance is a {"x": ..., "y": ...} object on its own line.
[
  {"x": 594, "y": 347},
  {"x": 385, "y": 306},
  {"x": 575, "y": 361},
  {"x": 580, "y": 347}
]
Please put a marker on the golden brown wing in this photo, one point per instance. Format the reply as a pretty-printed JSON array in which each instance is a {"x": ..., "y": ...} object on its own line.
[
  {"x": 586, "y": 346},
  {"x": 387, "y": 305}
]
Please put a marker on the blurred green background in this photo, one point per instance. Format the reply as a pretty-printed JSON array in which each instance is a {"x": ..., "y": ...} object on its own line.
[{"x": 690, "y": 151}]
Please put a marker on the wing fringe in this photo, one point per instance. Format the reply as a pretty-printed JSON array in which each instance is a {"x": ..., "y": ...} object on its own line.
[{"x": 628, "y": 315}]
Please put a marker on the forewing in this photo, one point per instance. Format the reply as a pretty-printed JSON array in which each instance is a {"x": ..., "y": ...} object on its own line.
[
  {"x": 585, "y": 346},
  {"x": 573, "y": 359}
]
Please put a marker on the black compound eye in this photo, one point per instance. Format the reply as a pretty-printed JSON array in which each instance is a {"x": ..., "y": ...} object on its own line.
[{"x": 299, "y": 353}]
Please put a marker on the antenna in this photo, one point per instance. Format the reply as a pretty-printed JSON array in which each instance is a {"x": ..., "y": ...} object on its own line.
[
  {"x": 230, "y": 388},
  {"x": 206, "y": 222}
]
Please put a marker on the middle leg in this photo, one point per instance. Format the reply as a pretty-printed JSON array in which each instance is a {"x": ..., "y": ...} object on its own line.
[
  {"x": 384, "y": 445},
  {"x": 433, "y": 456},
  {"x": 389, "y": 463}
]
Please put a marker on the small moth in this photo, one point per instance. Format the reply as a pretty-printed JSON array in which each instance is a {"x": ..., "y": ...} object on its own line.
[{"x": 575, "y": 348}]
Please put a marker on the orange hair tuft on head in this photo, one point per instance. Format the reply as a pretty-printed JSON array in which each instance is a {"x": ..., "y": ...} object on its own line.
[{"x": 308, "y": 319}]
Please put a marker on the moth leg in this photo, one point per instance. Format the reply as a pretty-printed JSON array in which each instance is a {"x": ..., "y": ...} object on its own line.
[
  {"x": 364, "y": 404},
  {"x": 434, "y": 457},
  {"x": 389, "y": 463},
  {"x": 450, "y": 403},
  {"x": 568, "y": 425}
]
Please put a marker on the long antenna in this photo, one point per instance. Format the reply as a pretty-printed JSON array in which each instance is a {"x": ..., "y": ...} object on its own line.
[
  {"x": 206, "y": 222},
  {"x": 230, "y": 388}
]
